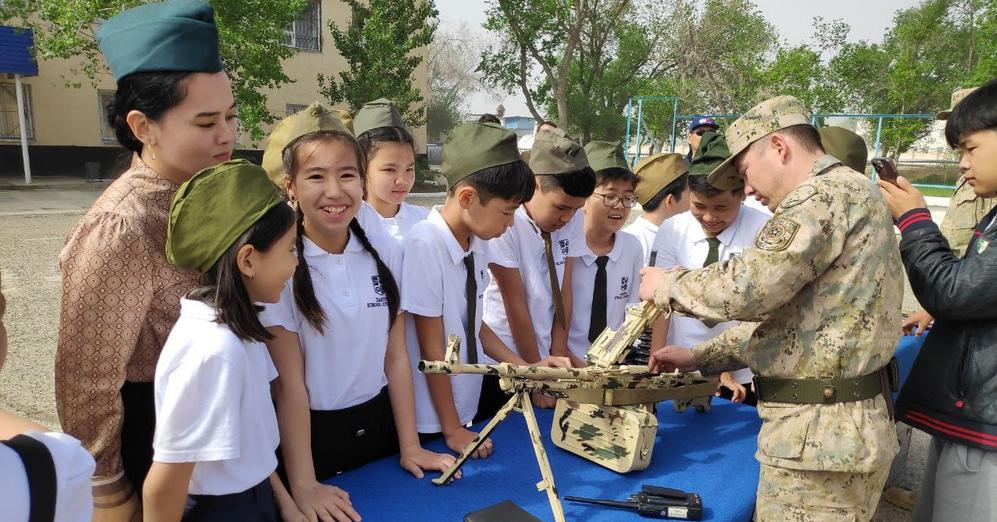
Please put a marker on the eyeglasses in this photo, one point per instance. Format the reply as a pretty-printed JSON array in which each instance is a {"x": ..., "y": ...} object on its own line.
[{"x": 611, "y": 200}]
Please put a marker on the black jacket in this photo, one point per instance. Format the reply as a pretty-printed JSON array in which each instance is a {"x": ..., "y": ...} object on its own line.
[{"x": 952, "y": 389}]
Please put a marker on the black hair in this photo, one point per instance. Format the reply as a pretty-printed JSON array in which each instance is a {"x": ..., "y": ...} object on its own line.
[
  {"x": 578, "y": 184},
  {"x": 489, "y": 118},
  {"x": 152, "y": 94},
  {"x": 976, "y": 112},
  {"x": 370, "y": 140},
  {"x": 616, "y": 174},
  {"x": 547, "y": 122},
  {"x": 806, "y": 135},
  {"x": 304, "y": 290},
  {"x": 222, "y": 286},
  {"x": 699, "y": 185},
  {"x": 674, "y": 189},
  {"x": 512, "y": 181}
]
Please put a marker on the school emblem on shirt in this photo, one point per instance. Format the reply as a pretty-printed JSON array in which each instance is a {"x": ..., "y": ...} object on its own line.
[
  {"x": 564, "y": 246},
  {"x": 624, "y": 284},
  {"x": 378, "y": 288},
  {"x": 777, "y": 234}
]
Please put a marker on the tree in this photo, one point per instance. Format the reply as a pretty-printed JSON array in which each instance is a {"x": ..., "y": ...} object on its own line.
[
  {"x": 251, "y": 34},
  {"x": 453, "y": 58},
  {"x": 380, "y": 45}
]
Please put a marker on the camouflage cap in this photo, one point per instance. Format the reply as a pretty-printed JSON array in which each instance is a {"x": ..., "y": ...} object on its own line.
[
  {"x": 761, "y": 120},
  {"x": 656, "y": 172},
  {"x": 376, "y": 114},
  {"x": 475, "y": 146},
  {"x": 957, "y": 97},
  {"x": 316, "y": 118},
  {"x": 606, "y": 155},
  {"x": 554, "y": 152},
  {"x": 845, "y": 145},
  {"x": 211, "y": 210}
]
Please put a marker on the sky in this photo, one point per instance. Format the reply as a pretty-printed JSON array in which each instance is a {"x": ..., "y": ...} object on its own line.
[{"x": 868, "y": 19}]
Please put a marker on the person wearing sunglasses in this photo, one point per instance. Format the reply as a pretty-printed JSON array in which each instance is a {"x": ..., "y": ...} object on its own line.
[
  {"x": 607, "y": 274},
  {"x": 697, "y": 127}
]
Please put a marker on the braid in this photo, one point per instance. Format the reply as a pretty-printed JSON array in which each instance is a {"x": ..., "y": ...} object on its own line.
[
  {"x": 304, "y": 292},
  {"x": 387, "y": 280}
]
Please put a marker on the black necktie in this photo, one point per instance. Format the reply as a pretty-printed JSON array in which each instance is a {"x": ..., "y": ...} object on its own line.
[
  {"x": 597, "y": 321},
  {"x": 714, "y": 254},
  {"x": 555, "y": 287},
  {"x": 471, "y": 294}
]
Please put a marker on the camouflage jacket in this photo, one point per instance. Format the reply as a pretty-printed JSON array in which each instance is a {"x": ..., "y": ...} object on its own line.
[
  {"x": 823, "y": 289},
  {"x": 965, "y": 211}
]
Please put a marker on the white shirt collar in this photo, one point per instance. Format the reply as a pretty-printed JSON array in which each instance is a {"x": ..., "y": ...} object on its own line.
[
  {"x": 197, "y": 310},
  {"x": 457, "y": 253},
  {"x": 697, "y": 234},
  {"x": 589, "y": 258},
  {"x": 313, "y": 250}
]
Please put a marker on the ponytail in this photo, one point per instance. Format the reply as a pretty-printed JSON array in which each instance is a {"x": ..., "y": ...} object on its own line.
[
  {"x": 387, "y": 279},
  {"x": 304, "y": 291}
]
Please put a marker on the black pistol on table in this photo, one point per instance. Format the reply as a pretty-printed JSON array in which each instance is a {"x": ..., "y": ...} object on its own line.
[{"x": 655, "y": 502}]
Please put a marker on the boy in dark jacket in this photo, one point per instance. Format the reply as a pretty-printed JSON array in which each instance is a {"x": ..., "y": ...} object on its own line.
[{"x": 952, "y": 390}]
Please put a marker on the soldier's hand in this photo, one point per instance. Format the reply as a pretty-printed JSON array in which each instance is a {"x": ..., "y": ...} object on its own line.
[
  {"x": 738, "y": 392},
  {"x": 462, "y": 437},
  {"x": 322, "y": 502},
  {"x": 670, "y": 358},
  {"x": 414, "y": 459},
  {"x": 542, "y": 401},
  {"x": 649, "y": 278},
  {"x": 902, "y": 197},
  {"x": 916, "y": 323},
  {"x": 554, "y": 362}
]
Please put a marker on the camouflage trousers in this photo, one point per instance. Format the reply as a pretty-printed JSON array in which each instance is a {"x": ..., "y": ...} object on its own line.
[{"x": 817, "y": 496}]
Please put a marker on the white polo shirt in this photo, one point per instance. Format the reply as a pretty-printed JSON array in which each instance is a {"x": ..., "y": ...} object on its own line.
[
  {"x": 644, "y": 231},
  {"x": 213, "y": 404},
  {"x": 436, "y": 277},
  {"x": 622, "y": 285},
  {"x": 397, "y": 226},
  {"x": 682, "y": 242},
  {"x": 521, "y": 247},
  {"x": 344, "y": 364},
  {"x": 73, "y": 468}
]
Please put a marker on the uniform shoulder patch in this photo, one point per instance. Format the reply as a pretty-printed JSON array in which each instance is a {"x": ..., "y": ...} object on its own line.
[
  {"x": 799, "y": 195},
  {"x": 777, "y": 234}
]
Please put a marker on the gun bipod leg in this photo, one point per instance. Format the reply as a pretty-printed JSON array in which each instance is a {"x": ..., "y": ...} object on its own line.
[
  {"x": 547, "y": 484},
  {"x": 478, "y": 441}
]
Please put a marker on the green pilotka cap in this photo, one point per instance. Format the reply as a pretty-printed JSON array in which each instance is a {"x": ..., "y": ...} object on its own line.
[
  {"x": 712, "y": 151},
  {"x": 845, "y": 145},
  {"x": 656, "y": 172},
  {"x": 178, "y": 35},
  {"x": 474, "y": 146},
  {"x": 604, "y": 155},
  {"x": 211, "y": 210},
  {"x": 376, "y": 114},
  {"x": 554, "y": 152},
  {"x": 316, "y": 118}
]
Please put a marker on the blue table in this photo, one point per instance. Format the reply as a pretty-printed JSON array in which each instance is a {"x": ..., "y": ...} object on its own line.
[{"x": 711, "y": 454}]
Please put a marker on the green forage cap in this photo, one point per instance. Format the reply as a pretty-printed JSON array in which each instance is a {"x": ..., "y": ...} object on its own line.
[
  {"x": 316, "y": 118},
  {"x": 178, "y": 35},
  {"x": 604, "y": 155},
  {"x": 554, "y": 152},
  {"x": 378, "y": 113},
  {"x": 761, "y": 120},
  {"x": 845, "y": 145},
  {"x": 656, "y": 172},
  {"x": 475, "y": 146},
  {"x": 213, "y": 209},
  {"x": 712, "y": 151}
]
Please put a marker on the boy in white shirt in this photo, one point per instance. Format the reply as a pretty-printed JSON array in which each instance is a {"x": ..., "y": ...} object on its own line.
[
  {"x": 663, "y": 191},
  {"x": 717, "y": 227},
  {"x": 606, "y": 277},
  {"x": 527, "y": 303},
  {"x": 446, "y": 271}
]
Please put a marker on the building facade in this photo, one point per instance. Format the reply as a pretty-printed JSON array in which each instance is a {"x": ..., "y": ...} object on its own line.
[{"x": 67, "y": 125}]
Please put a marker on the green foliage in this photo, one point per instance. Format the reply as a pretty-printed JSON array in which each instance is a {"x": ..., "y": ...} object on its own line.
[
  {"x": 380, "y": 45},
  {"x": 251, "y": 36}
]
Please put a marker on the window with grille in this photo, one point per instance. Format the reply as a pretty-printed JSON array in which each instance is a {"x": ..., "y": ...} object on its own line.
[
  {"x": 306, "y": 31},
  {"x": 9, "y": 127},
  {"x": 104, "y": 99}
]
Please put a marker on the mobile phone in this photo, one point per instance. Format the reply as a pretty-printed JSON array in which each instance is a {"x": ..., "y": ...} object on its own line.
[{"x": 885, "y": 169}]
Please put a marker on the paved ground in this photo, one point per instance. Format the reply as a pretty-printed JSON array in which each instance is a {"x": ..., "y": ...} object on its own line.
[{"x": 33, "y": 226}]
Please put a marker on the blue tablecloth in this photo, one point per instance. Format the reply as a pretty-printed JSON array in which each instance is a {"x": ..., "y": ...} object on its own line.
[{"x": 711, "y": 454}]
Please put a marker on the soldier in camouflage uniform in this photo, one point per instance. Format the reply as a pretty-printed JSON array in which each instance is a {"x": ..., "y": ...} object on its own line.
[{"x": 821, "y": 295}]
